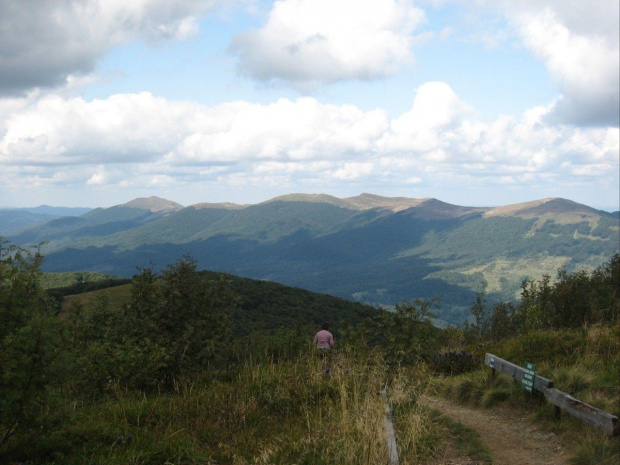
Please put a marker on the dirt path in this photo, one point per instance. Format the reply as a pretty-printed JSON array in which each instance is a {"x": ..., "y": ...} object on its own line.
[{"x": 508, "y": 433}]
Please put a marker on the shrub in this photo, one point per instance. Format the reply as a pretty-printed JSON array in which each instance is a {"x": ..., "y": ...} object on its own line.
[
  {"x": 30, "y": 343},
  {"x": 555, "y": 347},
  {"x": 454, "y": 363}
]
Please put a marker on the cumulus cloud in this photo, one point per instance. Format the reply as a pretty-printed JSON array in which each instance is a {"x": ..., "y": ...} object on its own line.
[
  {"x": 138, "y": 128},
  {"x": 435, "y": 108},
  {"x": 45, "y": 43},
  {"x": 303, "y": 129},
  {"x": 121, "y": 128},
  {"x": 149, "y": 142},
  {"x": 308, "y": 42},
  {"x": 100, "y": 176},
  {"x": 579, "y": 44}
]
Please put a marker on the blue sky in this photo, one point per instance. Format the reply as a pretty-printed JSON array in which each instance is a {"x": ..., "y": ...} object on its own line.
[{"x": 474, "y": 103}]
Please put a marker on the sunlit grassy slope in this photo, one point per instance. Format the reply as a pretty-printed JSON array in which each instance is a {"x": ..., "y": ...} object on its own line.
[{"x": 63, "y": 280}]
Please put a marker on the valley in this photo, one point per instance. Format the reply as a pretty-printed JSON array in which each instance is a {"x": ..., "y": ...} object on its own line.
[{"x": 376, "y": 250}]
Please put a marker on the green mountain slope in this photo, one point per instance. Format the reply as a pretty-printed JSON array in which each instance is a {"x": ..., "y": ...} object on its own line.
[
  {"x": 374, "y": 249},
  {"x": 11, "y": 221},
  {"x": 96, "y": 223},
  {"x": 267, "y": 223},
  {"x": 261, "y": 306}
]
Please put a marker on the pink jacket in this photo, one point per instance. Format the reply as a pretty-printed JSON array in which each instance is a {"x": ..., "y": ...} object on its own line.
[{"x": 324, "y": 340}]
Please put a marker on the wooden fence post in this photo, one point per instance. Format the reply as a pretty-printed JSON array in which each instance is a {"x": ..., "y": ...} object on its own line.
[{"x": 389, "y": 430}]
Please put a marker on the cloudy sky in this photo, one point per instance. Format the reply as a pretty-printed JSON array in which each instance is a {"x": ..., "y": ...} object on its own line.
[{"x": 479, "y": 102}]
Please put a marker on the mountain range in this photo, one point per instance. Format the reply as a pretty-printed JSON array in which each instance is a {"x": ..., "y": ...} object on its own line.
[
  {"x": 14, "y": 219},
  {"x": 368, "y": 248}
]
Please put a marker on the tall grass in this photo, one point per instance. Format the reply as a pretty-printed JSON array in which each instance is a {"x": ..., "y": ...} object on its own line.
[
  {"x": 264, "y": 412},
  {"x": 594, "y": 450},
  {"x": 420, "y": 432}
]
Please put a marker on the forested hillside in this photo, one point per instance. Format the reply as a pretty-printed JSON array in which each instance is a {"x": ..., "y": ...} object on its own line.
[
  {"x": 257, "y": 306},
  {"x": 373, "y": 249}
]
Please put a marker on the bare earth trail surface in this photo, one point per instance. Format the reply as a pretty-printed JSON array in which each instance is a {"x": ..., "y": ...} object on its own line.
[{"x": 510, "y": 435}]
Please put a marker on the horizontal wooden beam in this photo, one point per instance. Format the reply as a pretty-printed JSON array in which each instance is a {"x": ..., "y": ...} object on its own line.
[
  {"x": 517, "y": 372},
  {"x": 596, "y": 417}
]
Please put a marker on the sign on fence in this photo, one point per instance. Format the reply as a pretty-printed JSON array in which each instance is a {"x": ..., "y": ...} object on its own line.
[{"x": 529, "y": 372}]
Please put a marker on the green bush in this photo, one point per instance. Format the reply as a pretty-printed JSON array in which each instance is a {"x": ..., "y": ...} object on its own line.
[
  {"x": 31, "y": 340},
  {"x": 553, "y": 347}
]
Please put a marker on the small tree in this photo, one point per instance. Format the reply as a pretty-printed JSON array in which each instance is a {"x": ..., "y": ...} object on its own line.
[
  {"x": 480, "y": 327},
  {"x": 502, "y": 322},
  {"x": 409, "y": 332},
  {"x": 30, "y": 343},
  {"x": 176, "y": 321},
  {"x": 537, "y": 305}
]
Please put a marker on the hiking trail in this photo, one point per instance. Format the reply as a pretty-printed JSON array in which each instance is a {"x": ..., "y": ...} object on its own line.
[{"x": 509, "y": 434}]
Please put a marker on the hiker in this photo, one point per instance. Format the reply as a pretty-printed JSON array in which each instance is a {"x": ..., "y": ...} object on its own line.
[{"x": 324, "y": 339}]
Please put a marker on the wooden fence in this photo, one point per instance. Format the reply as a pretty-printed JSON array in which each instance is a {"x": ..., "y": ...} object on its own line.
[
  {"x": 389, "y": 430},
  {"x": 596, "y": 417}
]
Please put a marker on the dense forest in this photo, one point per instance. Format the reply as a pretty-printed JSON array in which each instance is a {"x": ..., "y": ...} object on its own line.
[{"x": 200, "y": 367}]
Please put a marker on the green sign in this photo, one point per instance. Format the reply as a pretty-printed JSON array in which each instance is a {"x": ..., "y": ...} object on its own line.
[{"x": 528, "y": 377}]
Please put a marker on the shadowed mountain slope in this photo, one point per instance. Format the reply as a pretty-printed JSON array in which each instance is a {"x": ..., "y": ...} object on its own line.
[{"x": 374, "y": 249}]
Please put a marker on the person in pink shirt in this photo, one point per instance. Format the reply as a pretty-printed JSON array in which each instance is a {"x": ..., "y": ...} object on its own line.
[{"x": 324, "y": 339}]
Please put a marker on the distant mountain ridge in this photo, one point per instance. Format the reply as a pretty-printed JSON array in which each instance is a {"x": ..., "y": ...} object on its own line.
[
  {"x": 550, "y": 206},
  {"x": 153, "y": 204},
  {"x": 57, "y": 211},
  {"x": 374, "y": 249},
  {"x": 14, "y": 219}
]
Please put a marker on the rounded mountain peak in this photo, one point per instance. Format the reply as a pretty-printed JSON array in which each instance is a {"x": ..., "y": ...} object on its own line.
[{"x": 153, "y": 204}]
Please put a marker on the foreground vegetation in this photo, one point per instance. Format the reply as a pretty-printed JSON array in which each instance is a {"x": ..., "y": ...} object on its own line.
[
  {"x": 588, "y": 370},
  {"x": 570, "y": 330},
  {"x": 163, "y": 376},
  {"x": 174, "y": 368},
  {"x": 264, "y": 412}
]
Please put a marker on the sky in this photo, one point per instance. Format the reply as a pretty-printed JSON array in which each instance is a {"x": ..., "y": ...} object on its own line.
[{"x": 478, "y": 102}]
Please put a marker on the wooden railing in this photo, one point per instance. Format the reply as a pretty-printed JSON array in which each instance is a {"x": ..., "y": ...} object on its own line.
[
  {"x": 596, "y": 417},
  {"x": 389, "y": 430}
]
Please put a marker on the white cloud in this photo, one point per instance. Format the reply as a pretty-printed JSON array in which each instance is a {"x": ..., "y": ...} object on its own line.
[
  {"x": 579, "y": 44},
  {"x": 285, "y": 130},
  {"x": 100, "y": 176},
  {"x": 161, "y": 180},
  {"x": 147, "y": 142},
  {"x": 422, "y": 129},
  {"x": 577, "y": 41},
  {"x": 308, "y": 42},
  {"x": 43, "y": 44},
  {"x": 354, "y": 170},
  {"x": 121, "y": 128}
]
